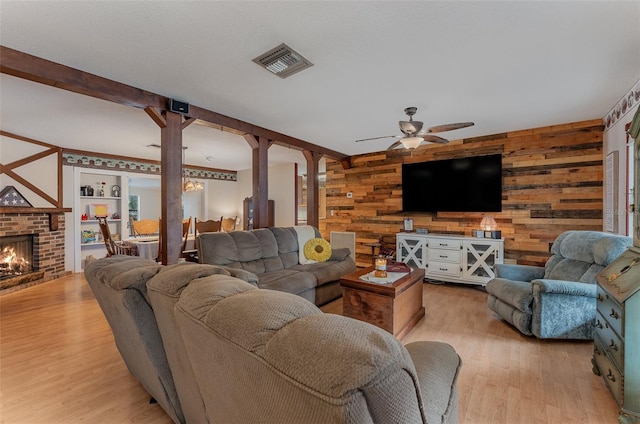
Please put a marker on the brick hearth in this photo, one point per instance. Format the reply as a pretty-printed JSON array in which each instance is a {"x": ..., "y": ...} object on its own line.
[{"x": 48, "y": 245}]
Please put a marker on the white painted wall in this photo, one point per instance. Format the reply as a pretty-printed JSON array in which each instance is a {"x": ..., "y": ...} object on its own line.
[
  {"x": 221, "y": 199},
  {"x": 150, "y": 201},
  {"x": 282, "y": 190},
  {"x": 615, "y": 139}
]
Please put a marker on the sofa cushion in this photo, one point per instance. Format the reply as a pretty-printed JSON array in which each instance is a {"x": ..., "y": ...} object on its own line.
[
  {"x": 581, "y": 255},
  {"x": 559, "y": 268},
  {"x": 172, "y": 279},
  {"x": 266, "y": 323},
  {"x": 288, "y": 280},
  {"x": 254, "y": 251},
  {"x": 326, "y": 272},
  {"x": 288, "y": 248},
  {"x": 287, "y": 239}
]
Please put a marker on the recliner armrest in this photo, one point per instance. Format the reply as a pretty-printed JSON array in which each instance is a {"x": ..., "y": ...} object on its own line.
[
  {"x": 563, "y": 287},
  {"x": 518, "y": 272}
]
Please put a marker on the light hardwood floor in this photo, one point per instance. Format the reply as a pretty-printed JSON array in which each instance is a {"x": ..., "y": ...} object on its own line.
[{"x": 59, "y": 364}]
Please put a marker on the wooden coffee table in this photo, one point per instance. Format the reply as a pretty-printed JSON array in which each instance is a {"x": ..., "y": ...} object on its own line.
[{"x": 395, "y": 307}]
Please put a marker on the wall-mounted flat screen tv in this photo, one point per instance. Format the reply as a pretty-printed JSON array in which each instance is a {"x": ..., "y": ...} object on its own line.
[{"x": 472, "y": 184}]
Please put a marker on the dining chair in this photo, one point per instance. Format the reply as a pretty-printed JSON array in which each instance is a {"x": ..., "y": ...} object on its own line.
[
  {"x": 228, "y": 224},
  {"x": 114, "y": 247},
  {"x": 190, "y": 255},
  {"x": 186, "y": 228},
  {"x": 209, "y": 226},
  {"x": 146, "y": 227},
  {"x": 160, "y": 237}
]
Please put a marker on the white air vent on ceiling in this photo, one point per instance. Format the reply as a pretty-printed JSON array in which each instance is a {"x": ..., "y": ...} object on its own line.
[{"x": 282, "y": 61}]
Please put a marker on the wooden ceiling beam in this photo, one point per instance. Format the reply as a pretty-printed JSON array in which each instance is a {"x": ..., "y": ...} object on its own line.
[
  {"x": 32, "y": 68},
  {"x": 276, "y": 137},
  {"x": 156, "y": 116}
]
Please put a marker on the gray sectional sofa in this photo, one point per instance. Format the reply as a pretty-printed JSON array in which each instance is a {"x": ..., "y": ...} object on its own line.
[
  {"x": 211, "y": 347},
  {"x": 272, "y": 255}
]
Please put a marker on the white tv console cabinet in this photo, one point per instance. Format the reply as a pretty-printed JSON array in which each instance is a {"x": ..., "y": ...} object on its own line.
[{"x": 451, "y": 258}]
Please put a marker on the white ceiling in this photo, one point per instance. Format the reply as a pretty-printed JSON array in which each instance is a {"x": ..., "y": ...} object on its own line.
[{"x": 504, "y": 65}]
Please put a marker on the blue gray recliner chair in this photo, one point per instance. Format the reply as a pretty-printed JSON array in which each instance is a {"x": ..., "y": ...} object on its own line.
[{"x": 557, "y": 301}]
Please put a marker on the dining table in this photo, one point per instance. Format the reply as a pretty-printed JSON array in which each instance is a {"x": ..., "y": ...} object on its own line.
[{"x": 148, "y": 246}]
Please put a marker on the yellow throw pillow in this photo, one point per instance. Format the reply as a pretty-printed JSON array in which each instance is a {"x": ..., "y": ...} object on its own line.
[{"x": 317, "y": 249}]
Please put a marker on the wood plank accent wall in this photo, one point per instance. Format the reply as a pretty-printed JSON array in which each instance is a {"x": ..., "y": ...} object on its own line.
[{"x": 552, "y": 182}]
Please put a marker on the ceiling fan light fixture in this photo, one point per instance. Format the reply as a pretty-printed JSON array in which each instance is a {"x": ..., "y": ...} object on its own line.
[{"x": 411, "y": 142}]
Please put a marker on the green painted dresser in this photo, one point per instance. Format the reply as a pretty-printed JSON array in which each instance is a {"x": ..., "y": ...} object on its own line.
[{"x": 617, "y": 341}]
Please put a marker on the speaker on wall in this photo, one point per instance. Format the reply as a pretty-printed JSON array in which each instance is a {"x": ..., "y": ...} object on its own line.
[{"x": 178, "y": 106}]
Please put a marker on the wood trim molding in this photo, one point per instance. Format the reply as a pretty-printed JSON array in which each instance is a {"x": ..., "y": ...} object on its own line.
[{"x": 8, "y": 169}]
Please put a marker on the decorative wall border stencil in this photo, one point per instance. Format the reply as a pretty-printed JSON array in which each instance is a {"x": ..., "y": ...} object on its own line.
[
  {"x": 627, "y": 102},
  {"x": 139, "y": 166}
]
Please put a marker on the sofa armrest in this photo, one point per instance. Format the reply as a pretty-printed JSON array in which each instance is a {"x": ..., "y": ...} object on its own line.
[
  {"x": 437, "y": 367},
  {"x": 339, "y": 254},
  {"x": 519, "y": 272},
  {"x": 242, "y": 274},
  {"x": 572, "y": 288}
]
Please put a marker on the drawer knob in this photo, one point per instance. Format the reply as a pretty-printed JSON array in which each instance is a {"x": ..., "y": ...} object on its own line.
[
  {"x": 613, "y": 345},
  {"x": 614, "y": 314},
  {"x": 599, "y": 324},
  {"x": 599, "y": 297},
  {"x": 610, "y": 376}
]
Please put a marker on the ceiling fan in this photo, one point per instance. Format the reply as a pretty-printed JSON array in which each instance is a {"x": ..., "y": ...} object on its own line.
[{"x": 414, "y": 135}]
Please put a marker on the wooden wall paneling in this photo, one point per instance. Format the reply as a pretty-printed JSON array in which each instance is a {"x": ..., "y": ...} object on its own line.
[{"x": 552, "y": 182}]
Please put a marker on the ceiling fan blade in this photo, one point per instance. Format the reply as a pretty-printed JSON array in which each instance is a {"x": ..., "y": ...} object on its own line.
[
  {"x": 394, "y": 145},
  {"x": 376, "y": 138},
  {"x": 450, "y": 127},
  {"x": 435, "y": 139}
]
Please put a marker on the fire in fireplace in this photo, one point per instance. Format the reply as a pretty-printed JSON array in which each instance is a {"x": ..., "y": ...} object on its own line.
[{"x": 16, "y": 255}]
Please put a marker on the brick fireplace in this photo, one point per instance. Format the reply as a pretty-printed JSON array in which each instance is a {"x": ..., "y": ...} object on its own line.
[{"x": 48, "y": 246}]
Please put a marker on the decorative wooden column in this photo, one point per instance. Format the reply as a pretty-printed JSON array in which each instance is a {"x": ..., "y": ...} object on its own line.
[
  {"x": 260, "y": 170},
  {"x": 171, "y": 188},
  {"x": 313, "y": 199}
]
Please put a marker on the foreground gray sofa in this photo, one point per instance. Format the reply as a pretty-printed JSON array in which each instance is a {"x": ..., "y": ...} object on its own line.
[
  {"x": 272, "y": 255},
  {"x": 558, "y": 300},
  {"x": 215, "y": 348}
]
